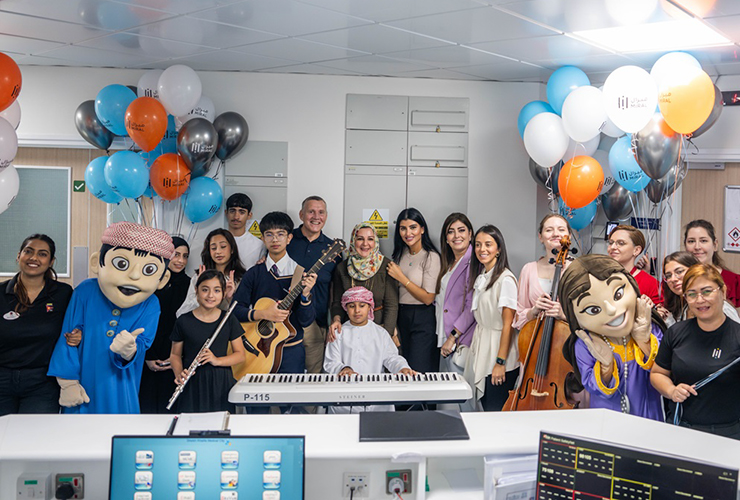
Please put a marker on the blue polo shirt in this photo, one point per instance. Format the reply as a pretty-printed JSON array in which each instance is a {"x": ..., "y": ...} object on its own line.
[{"x": 306, "y": 253}]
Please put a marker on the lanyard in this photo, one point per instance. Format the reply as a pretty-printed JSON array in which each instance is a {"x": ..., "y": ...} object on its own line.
[{"x": 700, "y": 384}]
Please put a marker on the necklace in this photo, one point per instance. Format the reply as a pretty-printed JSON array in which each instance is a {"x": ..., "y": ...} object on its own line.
[{"x": 624, "y": 401}]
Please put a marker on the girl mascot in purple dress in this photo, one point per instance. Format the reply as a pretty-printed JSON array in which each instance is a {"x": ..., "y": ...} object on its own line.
[{"x": 614, "y": 337}]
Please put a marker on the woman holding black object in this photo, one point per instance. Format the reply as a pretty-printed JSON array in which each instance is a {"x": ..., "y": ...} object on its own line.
[
  {"x": 157, "y": 384},
  {"x": 694, "y": 349},
  {"x": 416, "y": 264},
  {"x": 32, "y": 308}
]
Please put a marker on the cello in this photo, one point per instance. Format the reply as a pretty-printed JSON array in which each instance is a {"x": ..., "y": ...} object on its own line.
[{"x": 541, "y": 385}]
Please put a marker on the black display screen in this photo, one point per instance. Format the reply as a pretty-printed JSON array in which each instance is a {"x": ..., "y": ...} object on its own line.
[{"x": 575, "y": 468}]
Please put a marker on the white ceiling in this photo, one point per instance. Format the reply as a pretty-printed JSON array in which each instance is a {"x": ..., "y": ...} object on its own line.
[{"x": 503, "y": 40}]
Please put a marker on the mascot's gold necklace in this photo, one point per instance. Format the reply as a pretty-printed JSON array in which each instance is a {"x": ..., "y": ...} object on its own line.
[{"x": 624, "y": 401}]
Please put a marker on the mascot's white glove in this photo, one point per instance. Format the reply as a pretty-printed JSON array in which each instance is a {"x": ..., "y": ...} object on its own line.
[
  {"x": 124, "y": 344},
  {"x": 72, "y": 393}
]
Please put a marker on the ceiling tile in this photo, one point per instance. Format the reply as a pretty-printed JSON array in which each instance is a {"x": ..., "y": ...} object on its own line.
[
  {"x": 88, "y": 56},
  {"x": 474, "y": 25},
  {"x": 728, "y": 26},
  {"x": 152, "y": 48},
  {"x": 36, "y": 27},
  {"x": 228, "y": 60},
  {"x": 284, "y": 17},
  {"x": 311, "y": 69},
  {"x": 375, "y": 39},
  {"x": 296, "y": 49},
  {"x": 390, "y": 10},
  {"x": 544, "y": 48},
  {"x": 507, "y": 71},
  {"x": 449, "y": 56},
  {"x": 26, "y": 45},
  {"x": 200, "y": 32},
  {"x": 181, "y": 6},
  {"x": 710, "y": 8},
  {"x": 442, "y": 74},
  {"x": 608, "y": 62},
  {"x": 374, "y": 65}
]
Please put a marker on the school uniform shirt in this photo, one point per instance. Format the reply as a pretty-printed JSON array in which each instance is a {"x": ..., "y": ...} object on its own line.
[
  {"x": 27, "y": 339},
  {"x": 111, "y": 382},
  {"x": 647, "y": 285},
  {"x": 251, "y": 249}
]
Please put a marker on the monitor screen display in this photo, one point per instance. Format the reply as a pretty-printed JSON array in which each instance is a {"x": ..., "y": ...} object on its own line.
[
  {"x": 572, "y": 467},
  {"x": 211, "y": 467}
]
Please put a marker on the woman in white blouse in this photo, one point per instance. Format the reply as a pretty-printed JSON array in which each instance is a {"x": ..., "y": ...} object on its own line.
[{"x": 493, "y": 364}]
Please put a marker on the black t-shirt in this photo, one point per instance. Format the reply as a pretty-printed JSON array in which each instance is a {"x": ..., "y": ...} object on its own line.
[
  {"x": 690, "y": 354},
  {"x": 170, "y": 298},
  {"x": 27, "y": 340},
  {"x": 194, "y": 333}
]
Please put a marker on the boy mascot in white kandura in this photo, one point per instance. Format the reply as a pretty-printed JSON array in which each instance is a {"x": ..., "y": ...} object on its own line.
[{"x": 117, "y": 315}]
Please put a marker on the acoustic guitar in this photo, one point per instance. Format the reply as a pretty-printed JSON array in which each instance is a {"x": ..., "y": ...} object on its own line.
[{"x": 269, "y": 338}]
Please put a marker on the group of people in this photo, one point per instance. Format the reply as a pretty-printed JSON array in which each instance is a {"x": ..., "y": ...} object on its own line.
[{"x": 457, "y": 309}]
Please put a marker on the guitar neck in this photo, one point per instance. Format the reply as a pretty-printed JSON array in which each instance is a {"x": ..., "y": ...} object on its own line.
[{"x": 293, "y": 294}]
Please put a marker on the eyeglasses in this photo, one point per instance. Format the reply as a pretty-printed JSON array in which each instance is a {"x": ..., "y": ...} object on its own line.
[
  {"x": 275, "y": 237},
  {"x": 619, "y": 243},
  {"x": 678, "y": 274},
  {"x": 693, "y": 296}
]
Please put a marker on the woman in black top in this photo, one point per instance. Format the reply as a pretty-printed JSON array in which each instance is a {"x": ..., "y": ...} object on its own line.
[
  {"x": 693, "y": 349},
  {"x": 157, "y": 379},
  {"x": 32, "y": 307}
]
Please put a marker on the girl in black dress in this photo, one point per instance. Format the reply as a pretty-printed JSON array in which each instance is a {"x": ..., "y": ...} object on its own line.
[{"x": 208, "y": 389}]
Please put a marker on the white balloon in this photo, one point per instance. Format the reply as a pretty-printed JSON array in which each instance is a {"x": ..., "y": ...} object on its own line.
[
  {"x": 630, "y": 97},
  {"x": 581, "y": 148},
  {"x": 603, "y": 158},
  {"x": 204, "y": 109},
  {"x": 583, "y": 113},
  {"x": 670, "y": 62},
  {"x": 612, "y": 130},
  {"x": 147, "y": 86},
  {"x": 545, "y": 139},
  {"x": 9, "y": 185},
  {"x": 13, "y": 114},
  {"x": 8, "y": 143},
  {"x": 179, "y": 89}
]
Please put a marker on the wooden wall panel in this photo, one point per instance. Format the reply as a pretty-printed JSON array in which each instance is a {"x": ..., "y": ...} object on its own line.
[{"x": 703, "y": 198}]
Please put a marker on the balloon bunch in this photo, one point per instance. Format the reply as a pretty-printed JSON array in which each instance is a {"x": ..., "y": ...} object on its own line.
[
  {"x": 175, "y": 126},
  {"x": 10, "y": 117},
  {"x": 648, "y": 114}
]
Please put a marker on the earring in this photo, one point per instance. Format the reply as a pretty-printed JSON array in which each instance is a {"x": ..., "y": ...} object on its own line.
[{"x": 497, "y": 254}]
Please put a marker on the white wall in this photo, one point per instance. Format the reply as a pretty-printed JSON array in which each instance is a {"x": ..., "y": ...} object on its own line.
[{"x": 308, "y": 111}]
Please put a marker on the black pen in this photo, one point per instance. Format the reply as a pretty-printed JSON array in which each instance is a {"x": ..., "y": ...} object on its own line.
[{"x": 172, "y": 426}]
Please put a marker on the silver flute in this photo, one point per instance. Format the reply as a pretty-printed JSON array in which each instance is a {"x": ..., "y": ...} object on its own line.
[{"x": 195, "y": 364}]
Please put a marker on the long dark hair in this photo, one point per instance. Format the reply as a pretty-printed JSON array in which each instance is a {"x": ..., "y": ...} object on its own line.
[
  {"x": 24, "y": 303},
  {"x": 709, "y": 228},
  {"x": 502, "y": 259},
  {"x": 674, "y": 303},
  {"x": 447, "y": 255},
  {"x": 398, "y": 243},
  {"x": 233, "y": 264}
]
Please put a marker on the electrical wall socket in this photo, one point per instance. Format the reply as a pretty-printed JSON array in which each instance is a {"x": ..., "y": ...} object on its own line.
[
  {"x": 400, "y": 479},
  {"x": 361, "y": 483}
]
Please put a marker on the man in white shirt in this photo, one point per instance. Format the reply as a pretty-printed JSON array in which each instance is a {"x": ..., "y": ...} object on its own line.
[{"x": 238, "y": 214}]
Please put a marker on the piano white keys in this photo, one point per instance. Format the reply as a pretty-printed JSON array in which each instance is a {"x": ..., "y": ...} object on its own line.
[{"x": 329, "y": 389}]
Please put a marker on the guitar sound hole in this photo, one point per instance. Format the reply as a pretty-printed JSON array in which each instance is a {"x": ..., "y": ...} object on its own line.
[{"x": 265, "y": 328}]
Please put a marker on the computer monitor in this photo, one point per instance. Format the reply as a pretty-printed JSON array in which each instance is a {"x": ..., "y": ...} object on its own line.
[
  {"x": 208, "y": 467},
  {"x": 573, "y": 467}
]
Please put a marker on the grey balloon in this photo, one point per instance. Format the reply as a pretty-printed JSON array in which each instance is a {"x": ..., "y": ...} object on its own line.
[
  {"x": 661, "y": 189},
  {"x": 543, "y": 177},
  {"x": 197, "y": 143},
  {"x": 656, "y": 147},
  {"x": 233, "y": 133},
  {"x": 90, "y": 128},
  {"x": 713, "y": 116},
  {"x": 616, "y": 203}
]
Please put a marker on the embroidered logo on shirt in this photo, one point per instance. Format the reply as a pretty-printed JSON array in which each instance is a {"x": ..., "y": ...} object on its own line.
[
  {"x": 11, "y": 315},
  {"x": 49, "y": 307},
  {"x": 717, "y": 353}
]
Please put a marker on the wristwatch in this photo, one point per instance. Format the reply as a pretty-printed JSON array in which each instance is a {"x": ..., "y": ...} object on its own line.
[
  {"x": 455, "y": 334},
  {"x": 500, "y": 361}
]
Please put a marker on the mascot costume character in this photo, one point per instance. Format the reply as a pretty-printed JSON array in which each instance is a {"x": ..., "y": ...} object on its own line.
[
  {"x": 614, "y": 336},
  {"x": 117, "y": 315}
]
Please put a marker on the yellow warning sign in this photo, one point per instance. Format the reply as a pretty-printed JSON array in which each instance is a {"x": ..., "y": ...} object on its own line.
[
  {"x": 378, "y": 218},
  {"x": 254, "y": 229},
  {"x": 375, "y": 216}
]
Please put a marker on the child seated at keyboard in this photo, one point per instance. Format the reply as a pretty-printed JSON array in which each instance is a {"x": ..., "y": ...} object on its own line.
[{"x": 362, "y": 346}]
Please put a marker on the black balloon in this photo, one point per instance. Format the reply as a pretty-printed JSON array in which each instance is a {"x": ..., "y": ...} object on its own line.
[
  {"x": 546, "y": 177},
  {"x": 233, "y": 133},
  {"x": 713, "y": 116},
  {"x": 196, "y": 143},
  {"x": 660, "y": 189},
  {"x": 617, "y": 202},
  {"x": 90, "y": 128}
]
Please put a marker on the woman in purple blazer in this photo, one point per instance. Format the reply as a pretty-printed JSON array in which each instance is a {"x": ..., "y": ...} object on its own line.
[{"x": 455, "y": 320}]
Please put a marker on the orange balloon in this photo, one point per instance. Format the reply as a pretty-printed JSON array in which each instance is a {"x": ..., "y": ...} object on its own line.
[
  {"x": 146, "y": 122},
  {"x": 580, "y": 182},
  {"x": 169, "y": 175},
  {"x": 10, "y": 81},
  {"x": 686, "y": 99}
]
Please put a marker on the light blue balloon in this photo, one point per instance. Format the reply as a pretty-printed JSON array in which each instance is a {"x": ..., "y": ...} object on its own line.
[
  {"x": 127, "y": 174},
  {"x": 624, "y": 166},
  {"x": 203, "y": 199},
  {"x": 110, "y": 106},
  {"x": 529, "y": 111},
  {"x": 578, "y": 218},
  {"x": 96, "y": 184},
  {"x": 561, "y": 83}
]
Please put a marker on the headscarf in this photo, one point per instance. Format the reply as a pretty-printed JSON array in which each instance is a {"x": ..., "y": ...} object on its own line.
[
  {"x": 180, "y": 242},
  {"x": 363, "y": 268},
  {"x": 359, "y": 294}
]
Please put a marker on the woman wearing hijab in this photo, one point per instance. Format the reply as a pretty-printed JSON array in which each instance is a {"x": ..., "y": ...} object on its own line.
[
  {"x": 157, "y": 379},
  {"x": 365, "y": 266}
]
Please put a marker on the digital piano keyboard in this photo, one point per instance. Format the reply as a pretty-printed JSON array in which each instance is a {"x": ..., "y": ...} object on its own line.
[{"x": 326, "y": 389}]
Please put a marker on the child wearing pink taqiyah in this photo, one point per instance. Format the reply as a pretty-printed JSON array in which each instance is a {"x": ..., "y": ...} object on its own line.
[{"x": 362, "y": 346}]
